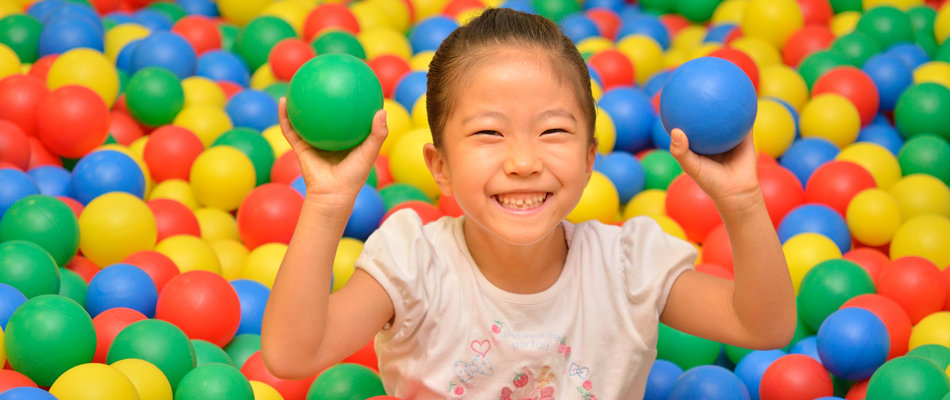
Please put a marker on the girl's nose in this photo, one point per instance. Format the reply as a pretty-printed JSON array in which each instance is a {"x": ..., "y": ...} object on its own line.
[{"x": 522, "y": 160}]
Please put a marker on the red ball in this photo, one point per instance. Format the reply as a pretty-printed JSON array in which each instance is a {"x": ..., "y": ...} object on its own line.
[
  {"x": 781, "y": 190},
  {"x": 173, "y": 218},
  {"x": 389, "y": 69},
  {"x": 858, "y": 391},
  {"x": 946, "y": 274},
  {"x": 614, "y": 67},
  {"x": 741, "y": 60},
  {"x": 105, "y": 6},
  {"x": 73, "y": 120},
  {"x": 123, "y": 128},
  {"x": 383, "y": 176},
  {"x": 230, "y": 88},
  {"x": 329, "y": 15},
  {"x": 170, "y": 151},
  {"x": 715, "y": 270},
  {"x": 10, "y": 379},
  {"x": 365, "y": 356},
  {"x": 285, "y": 169},
  {"x": 157, "y": 265},
  {"x": 269, "y": 214},
  {"x": 14, "y": 146},
  {"x": 655, "y": 100},
  {"x": 795, "y": 377},
  {"x": 607, "y": 21},
  {"x": 41, "y": 67},
  {"x": 203, "y": 305},
  {"x": 692, "y": 208},
  {"x": 816, "y": 12},
  {"x": 804, "y": 42},
  {"x": 427, "y": 212},
  {"x": 765, "y": 159},
  {"x": 916, "y": 284},
  {"x": 255, "y": 370},
  {"x": 83, "y": 267},
  {"x": 872, "y": 260},
  {"x": 287, "y": 56},
  {"x": 21, "y": 96},
  {"x": 450, "y": 206},
  {"x": 40, "y": 155},
  {"x": 455, "y": 7},
  {"x": 108, "y": 324},
  {"x": 717, "y": 249},
  {"x": 836, "y": 183},
  {"x": 894, "y": 317},
  {"x": 200, "y": 32},
  {"x": 74, "y": 205},
  {"x": 674, "y": 23},
  {"x": 855, "y": 85}
]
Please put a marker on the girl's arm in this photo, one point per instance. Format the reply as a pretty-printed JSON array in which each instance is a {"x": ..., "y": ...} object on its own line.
[
  {"x": 757, "y": 310},
  {"x": 305, "y": 328}
]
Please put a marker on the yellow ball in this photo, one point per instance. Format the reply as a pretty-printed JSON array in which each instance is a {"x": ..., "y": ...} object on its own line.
[
  {"x": 645, "y": 54},
  {"x": 343, "y": 263},
  {"x": 263, "y": 262},
  {"x": 9, "y": 62},
  {"x": 921, "y": 194},
  {"x": 942, "y": 24},
  {"x": 926, "y": 236},
  {"x": 420, "y": 116},
  {"x": 844, "y": 23},
  {"x": 379, "y": 41},
  {"x": 175, "y": 189},
  {"x": 774, "y": 128},
  {"x": 806, "y": 250},
  {"x": 232, "y": 255},
  {"x": 408, "y": 165},
  {"x": 276, "y": 139},
  {"x": 397, "y": 14},
  {"x": 427, "y": 8},
  {"x": 772, "y": 20},
  {"x": 599, "y": 201},
  {"x": 466, "y": 16},
  {"x": 190, "y": 253},
  {"x": 421, "y": 61},
  {"x": 670, "y": 226},
  {"x": 221, "y": 176},
  {"x": 934, "y": 71},
  {"x": 831, "y": 116},
  {"x": 149, "y": 381},
  {"x": 114, "y": 225},
  {"x": 263, "y": 391},
  {"x": 689, "y": 38},
  {"x": 3, "y": 351},
  {"x": 293, "y": 13},
  {"x": 87, "y": 68},
  {"x": 594, "y": 44},
  {"x": 398, "y": 121},
  {"x": 784, "y": 83},
  {"x": 241, "y": 12},
  {"x": 93, "y": 382},
  {"x": 704, "y": 50},
  {"x": 729, "y": 12},
  {"x": 647, "y": 202},
  {"x": 933, "y": 329},
  {"x": 137, "y": 147},
  {"x": 902, "y": 5},
  {"x": 201, "y": 91},
  {"x": 369, "y": 17},
  {"x": 263, "y": 77},
  {"x": 207, "y": 122},
  {"x": 120, "y": 35},
  {"x": 675, "y": 58},
  {"x": 880, "y": 162},
  {"x": 8, "y": 7},
  {"x": 596, "y": 91},
  {"x": 762, "y": 52},
  {"x": 873, "y": 217},
  {"x": 605, "y": 132},
  {"x": 217, "y": 224}
]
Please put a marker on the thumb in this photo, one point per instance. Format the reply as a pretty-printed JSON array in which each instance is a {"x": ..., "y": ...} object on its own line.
[
  {"x": 679, "y": 148},
  {"x": 372, "y": 144}
]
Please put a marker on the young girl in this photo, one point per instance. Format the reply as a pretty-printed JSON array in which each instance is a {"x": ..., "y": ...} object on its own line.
[{"x": 511, "y": 301}]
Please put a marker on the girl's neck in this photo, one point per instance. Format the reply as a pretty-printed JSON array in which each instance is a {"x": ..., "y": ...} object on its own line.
[{"x": 517, "y": 269}]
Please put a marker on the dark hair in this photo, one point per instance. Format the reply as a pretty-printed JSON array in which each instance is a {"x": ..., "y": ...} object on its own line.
[{"x": 471, "y": 44}]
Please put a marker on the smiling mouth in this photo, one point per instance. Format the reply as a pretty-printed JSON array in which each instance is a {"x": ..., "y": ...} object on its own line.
[{"x": 521, "y": 201}]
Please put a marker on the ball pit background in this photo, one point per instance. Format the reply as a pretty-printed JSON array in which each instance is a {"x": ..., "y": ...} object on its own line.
[{"x": 140, "y": 137}]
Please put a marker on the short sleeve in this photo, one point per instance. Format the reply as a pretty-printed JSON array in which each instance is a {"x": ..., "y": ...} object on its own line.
[
  {"x": 652, "y": 260},
  {"x": 396, "y": 255}
]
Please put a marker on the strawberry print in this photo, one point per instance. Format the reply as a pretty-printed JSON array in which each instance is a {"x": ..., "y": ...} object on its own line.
[
  {"x": 506, "y": 394},
  {"x": 459, "y": 390},
  {"x": 520, "y": 380},
  {"x": 567, "y": 352},
  {"x": 562, "y": 346},
  {"x": 496, "y": 328},
  {"x": 588, "y": 385}
]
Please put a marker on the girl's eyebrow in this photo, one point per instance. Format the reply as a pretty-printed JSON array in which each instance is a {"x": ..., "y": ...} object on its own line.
[
  {"x": 557, "y": 112},
  {"x": 485, "y": 114}
]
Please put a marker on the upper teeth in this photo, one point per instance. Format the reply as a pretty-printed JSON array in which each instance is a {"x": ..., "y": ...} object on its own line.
[{"x": 529, "y": 202}]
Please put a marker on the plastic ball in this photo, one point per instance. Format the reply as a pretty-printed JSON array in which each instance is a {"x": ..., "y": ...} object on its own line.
[
  {"x": 242, "y": 347},
  {"x": 268, "y": 214},
  {"x": 232, "y": 255},
  {"x": 253, "y": 297},
  {"x": 816, "y": 218},
  {"x": 389, "y": 69},
  {"x": 339, "y": 42},
  {"x": 12, "y": 382},
  {"x": 781, "y": 191},
  {"x": 887, "y": 25},
  {"x": 263, "y": 391},
  {"x": 207, "y": 352},
  {"x": 873, "y": 217},
  {"x": 103, "y": 172},
  {"x": 692, "y": 208},
  {"x": 894, "y": 317},
  {"x": 853, "y": 84},
  {"x": 149, "y": 381},
  {"x": 26, "y": 393},
  {"x": 47, "y": 336},
  {"x": 774, "y": 21},
  {"x": 329, "y": 15},
  {"x": 255, "y": 370},
  {"x": 672, "y": 345},
  {"x": 88, "y": 68},
  {"x": 166, "y": 50},
  {"x": 253, "y": 109},
  {"x": 344, "y": 262},
  {"x": 10, "y": 299},
  {"x": 154, "y": 96},
  {"x": 121, "y": 285},
  {"x": 922, "y": 194},
  {"x": 804, "y": 251},
  {"x": 158, "y": 342},
  {"x": 173, "y": 218},
  {"x": 836, "y": 183},
  {"x": 829, "y": 285},
  {"x": 832, "y": 117},
  {"x": 73, "y": 286},
  {"x": 216, "y": 224},
  {"x": 625, "y": 172},
  {"x": 884, "y": 135},
  {"x": 645, "y": 54},
  {"x": 262, "y": 263},
  {"x": 90, "y": 381},
  {"x": 220, "y": 65},
  {"x": 921, "y": 109},
  {"x": 115, "y": 225},
  {"x": 708, "y": 382},
  {"x": 15, "y": 145},
  {"x": 398, "y": 193},
  {"x": 877, "y": 160},
  {"x": 891, "y": 77},
  {"x": 795, "y": 376},
  {"x": 753, "y": 366},
  {"x": 805, "y": 41},
  {"x": 175, "y": 189},
  {"x": 908, "y": 378},
  {"x": 170, "y": 152},
  {"x": 214, "y": 381},
  {"x": 200, "y": 32},
  {"x": 853, "y": 343},
  {"x": 45, "y": 221},
  {"x": 368, "y": 211},
  {"x": 924, "y": 236},
  {"x": 408, "y": 163},
  {"x": 915, "y": 283},
  {"x": 65, "y": 33},
  {"x": 73, "y": 120},
  {"x": 259, "y": 36},
  {"x": 927, "y": 154},
  {"x": 633, "y": 117},
  {"x": 189, "y": 253},
  {"x": 774, "y": 128},
  {"x": 934, "y": 72},
  {"x": 14, "y": 185},
  {"x": 346, "y": 380},
  {"x": 203, "y": 305},
  {"x": 931, "y": 330},
  {"x": 287, "y": 56},
  {"x": 660, "y": 381},
  {"x": 254, "y": 146},
  {"x": 28, "y": 268},
  {"x": 614, "y": 67},
  {"x": 200, "y": 90},
  {"x": 108, "y": 324},
  {"x": 857, "y": 47},
  {"x": 409, "y": 88},
  {"x": 599, "y": 201},
  {"x": 207, "y": 122},
  {"x": 221, "y": 177}
]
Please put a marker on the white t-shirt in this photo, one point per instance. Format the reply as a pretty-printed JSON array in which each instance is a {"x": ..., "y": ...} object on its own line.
[{"x": 455, "y": 335}]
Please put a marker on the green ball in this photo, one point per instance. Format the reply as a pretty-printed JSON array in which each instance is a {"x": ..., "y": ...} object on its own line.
[
  {"x": 922, "y": 19},
  {"x": 338, "y": 42},
  {"x": 908, "y": 377},
  {"x": 332, "y": 101},
  {"x": 857, "y": 47},
  {"x": 943, "y": 52},
  {"x": 736, "y": 354},
  {"x": 923, "y": 108},
  {"x": 840, "y": 6},
  {"x": 27, "y": 267},
  {"x": 555, "y": 10},
  {"x": 696, "y": 10},
  {"x": 229, "y": 34},
  {"x": 21, "y": 33},
  {"x": 277, "y": 90},
  {"x": 123, "y": 80},
  {"x": 154, "y": 96},
  {"x": 887, "y": 25},
  {"x": 927, "y": 42},
  {"x": 173, "y": 11},
  {"x": 397, "y": 193},
  {"x": 841, "y": 386},
  {"x": 207, "y": 352},
  {"x": 243, "y": 347},
  {"x": 214, "y": 381},
  {"x": 373, "y": 178},
  {"x": 254, "y": 146},
  {"x": 940, "y": 355},
  {"x": 658, "y": 7},
  {"x": 47, "y": 336},
  {"x": 685, "y": 350},
  {"x": 158, "y": 342},
  {"x": 45, "y": 221},
  {"x": 259, "y": 36},
  {"x": 661, "y": 168},
  {"x": 801, "y": 331},
  {"x": 926, "y": 154},
  {"x": 829, "y": 285},
  {"x": 346, "y": 382},
  {"x": 819, "y": 62},
  {"x": 73, "y": 286}
]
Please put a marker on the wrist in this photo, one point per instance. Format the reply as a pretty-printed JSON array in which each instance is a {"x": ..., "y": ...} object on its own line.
[
  {"x": 740, "y": 202},
  {"x": 328, "y": 208}
]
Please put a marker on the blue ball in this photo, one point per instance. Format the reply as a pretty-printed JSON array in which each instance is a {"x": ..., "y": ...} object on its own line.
[
  {"x": 153, "y": 20},
  {"x": 66, "y": 33},
  {"x": 368, "y": 211},
  {"x": 299, "y": 186},
  {"x": 658, "y": 135},
  {"x": 105, "y": 171},
  {"x": 578, "y": 27},
  {"x": 123, "y": 60},
  {"x": 891, "y": 76},
  {"x": 252, "y": 109},
  {"x": 880, "y": 119},
  {"x": 409, "y": 88},
  {"x": 26, "y": 393},
  {"x": 614, "y": 5},
  {"x": 709, "y": 382},
  {"x": 660, "y": 381},
  {"x": 884, "y": 135},
  {"x": 816, "y": 218},
  {"x": 10, "y": 300},
  {"x": 751, "y": 368},
  {"x": 910, "y": 53},
  {"x": 121, "y": 285},
  {"x": 520, "y": 5},
  {"x": 718, "y": 33},
  {"x": 429, "y": 34},
  {"x": 656, "y": 82},
  {"x": 630, "y": 11},
  {"x": 167, "y": 50},
  {"x": 76, "y": 11},
  {"x": 633, "y": 115},
  {"x": 253, "y": 297},
  {"x": 807, "y": 346},
  {"x": 220, "y": 65},
  {"x": 626, "y": 173},
  {"x": 199, "y": 7},
  {"x": 14, "y": 185},
  {"x": 41, "y": 9},
  {"x": 52, "y": 180},
  {"x": 806, "y": 155},
  {"x": 642, "y": 24},
  {"x": 119, "y": 17},
  {"x": 853, "y": 343},
  {"x": 712, "y": 101}
]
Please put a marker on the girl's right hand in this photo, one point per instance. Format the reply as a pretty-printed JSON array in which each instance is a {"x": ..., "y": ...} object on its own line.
[{"x": 335, "y": 178}]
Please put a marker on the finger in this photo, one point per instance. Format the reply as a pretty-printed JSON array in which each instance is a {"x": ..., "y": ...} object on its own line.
[
  {"x": 285, "y": 127},
  {"x": 370, "y": 147},
  {"x": 679, "y": 148}
]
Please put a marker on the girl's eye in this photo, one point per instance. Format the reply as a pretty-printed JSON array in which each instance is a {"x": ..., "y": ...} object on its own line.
[
  {"x": 489, "y": 133},
  {"x": 556, "y": 130}
]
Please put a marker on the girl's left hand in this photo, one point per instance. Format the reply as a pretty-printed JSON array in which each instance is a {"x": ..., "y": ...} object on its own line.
[{"x": 730, "y": 178}]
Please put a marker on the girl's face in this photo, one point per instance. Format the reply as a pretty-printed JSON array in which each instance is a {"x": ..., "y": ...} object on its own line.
[{"x": 516, "y": 154}]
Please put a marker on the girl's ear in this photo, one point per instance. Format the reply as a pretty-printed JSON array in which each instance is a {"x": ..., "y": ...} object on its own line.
[
  {"x": 591, "y": 157},
  {"x": 438, "y": 168}
]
